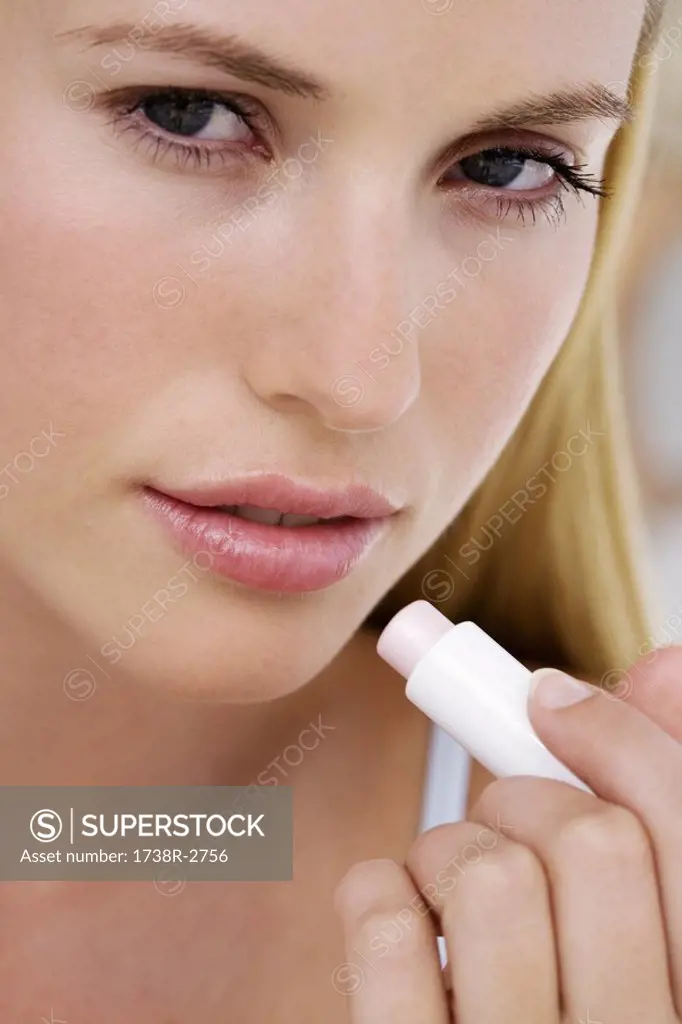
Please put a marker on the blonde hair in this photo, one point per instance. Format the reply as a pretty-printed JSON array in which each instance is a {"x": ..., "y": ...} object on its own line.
[
  {"x": 666, "y": 60},
  {"x": 558, "y": 581}
]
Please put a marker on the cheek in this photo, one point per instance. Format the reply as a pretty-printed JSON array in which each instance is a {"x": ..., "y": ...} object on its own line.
[
  {"x": 488, "y": 348},
  {"x": 105, "y": 307},
  {"x": 88, "y": 337},
  {"x": 72, "y": 323},
  {"x": 86, "y": 237}
]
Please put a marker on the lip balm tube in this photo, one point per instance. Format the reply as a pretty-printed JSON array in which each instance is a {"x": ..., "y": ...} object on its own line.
[{"x": 472, "y": 688}]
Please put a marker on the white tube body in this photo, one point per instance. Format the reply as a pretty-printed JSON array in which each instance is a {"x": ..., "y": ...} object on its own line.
[{"x": 478, "y": 693}]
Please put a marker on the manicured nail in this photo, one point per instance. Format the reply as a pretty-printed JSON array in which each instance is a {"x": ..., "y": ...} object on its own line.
[{"x": 553, "y": 689}]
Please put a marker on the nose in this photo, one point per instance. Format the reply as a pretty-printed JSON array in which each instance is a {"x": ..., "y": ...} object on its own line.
[{"x": 331, "y": 341}]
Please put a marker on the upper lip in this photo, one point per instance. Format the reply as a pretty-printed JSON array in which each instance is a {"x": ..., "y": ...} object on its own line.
[{"x": 279, "y": 492}]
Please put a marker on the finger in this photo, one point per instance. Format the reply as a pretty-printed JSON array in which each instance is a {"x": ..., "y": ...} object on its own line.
[
  {"x": 653, "y": 685},
  {"x": 492, "y": 898},
  {"x": 391, "y": 943},
  {"x": 627, "y": 760},
  {"x": 608, "y": 923}
]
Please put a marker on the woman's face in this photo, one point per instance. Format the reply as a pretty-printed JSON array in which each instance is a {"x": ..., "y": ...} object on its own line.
[{"x": 352, "y": 268}]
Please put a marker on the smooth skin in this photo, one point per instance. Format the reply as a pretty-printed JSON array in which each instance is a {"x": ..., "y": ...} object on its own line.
[
  {"x": 571, "y": 909},
  {"x": 240, "y": 375}
]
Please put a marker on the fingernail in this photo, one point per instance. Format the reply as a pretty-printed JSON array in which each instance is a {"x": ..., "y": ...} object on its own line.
[{"x": 553, "y": 689}]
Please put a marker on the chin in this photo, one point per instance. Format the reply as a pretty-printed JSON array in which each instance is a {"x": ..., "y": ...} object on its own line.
[
  {"x": 219, "y": 643},
  {"x": 230, "y": 648}
]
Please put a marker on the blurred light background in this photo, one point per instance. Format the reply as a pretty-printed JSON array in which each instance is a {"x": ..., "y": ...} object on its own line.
[{"x": 651, "y": 326}]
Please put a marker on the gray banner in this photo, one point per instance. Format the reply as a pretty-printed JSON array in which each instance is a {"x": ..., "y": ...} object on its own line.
[{"x": 167, "y": 834}]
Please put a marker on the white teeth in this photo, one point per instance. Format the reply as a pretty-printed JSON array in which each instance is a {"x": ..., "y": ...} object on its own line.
[{"x": 290, "y": 519}]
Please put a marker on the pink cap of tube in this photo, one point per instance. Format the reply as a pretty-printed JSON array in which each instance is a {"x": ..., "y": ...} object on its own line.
[{"x": 410, "y": 635}]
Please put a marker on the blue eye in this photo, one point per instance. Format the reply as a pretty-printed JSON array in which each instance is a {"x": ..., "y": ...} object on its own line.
[
  {"x": 506, "y": 168},
  {"x": 195, "y": 116},
  {"x": 195, "y": 129},
  {"x": 520, "y": 179}
]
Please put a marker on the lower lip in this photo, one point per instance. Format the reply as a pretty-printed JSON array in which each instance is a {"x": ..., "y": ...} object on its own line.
[{"x": 278, "y": 558}]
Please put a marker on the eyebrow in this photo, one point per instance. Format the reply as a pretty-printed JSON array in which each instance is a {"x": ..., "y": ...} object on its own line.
[
  {"x": 213, "y": 49},
  {"x": 565, "y": 106},
  {"x": 229, "y": 54}
]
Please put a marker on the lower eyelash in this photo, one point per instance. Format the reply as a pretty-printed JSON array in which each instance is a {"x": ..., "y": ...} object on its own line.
[
  {"x": 186, "y": 154},
  {"x": 552, "y": 207},
  {"x": 569, "y": 179}
]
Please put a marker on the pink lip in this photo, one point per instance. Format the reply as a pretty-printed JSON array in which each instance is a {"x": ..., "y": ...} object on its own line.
[{"x": 275, "y": 558}]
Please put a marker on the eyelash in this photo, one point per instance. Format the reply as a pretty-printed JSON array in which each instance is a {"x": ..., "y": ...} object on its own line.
[
  {"x": 569, "y": 178},
  {"x": 125, "y": 106}
]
